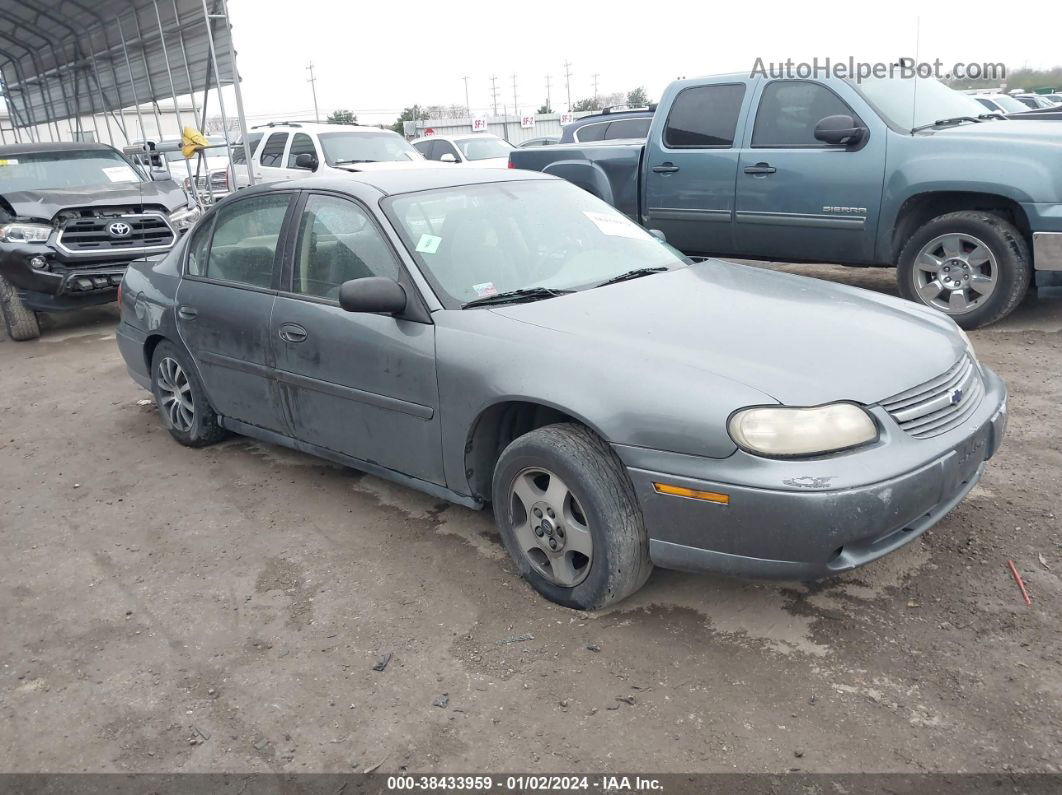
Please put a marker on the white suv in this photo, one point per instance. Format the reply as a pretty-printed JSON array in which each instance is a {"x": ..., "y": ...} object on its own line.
[{"x": 290, "y": 149}]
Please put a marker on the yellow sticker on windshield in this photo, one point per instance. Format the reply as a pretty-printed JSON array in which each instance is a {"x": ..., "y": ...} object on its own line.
[
  {"x": 428, "y": 244},
  {"x": 9, "y": 162}
]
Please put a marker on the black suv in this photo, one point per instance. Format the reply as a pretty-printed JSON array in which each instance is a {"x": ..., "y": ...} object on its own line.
[{"x": 72, "y": 216}]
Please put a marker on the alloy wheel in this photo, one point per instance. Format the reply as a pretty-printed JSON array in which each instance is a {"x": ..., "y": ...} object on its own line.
[
  {"x": 550, "y": 527},
  {"x": 955, "y": 273},
  {"x": 175, "y": 394}
]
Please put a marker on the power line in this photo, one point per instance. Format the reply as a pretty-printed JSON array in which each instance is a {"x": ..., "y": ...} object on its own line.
[{"x": 313, "y": 87}]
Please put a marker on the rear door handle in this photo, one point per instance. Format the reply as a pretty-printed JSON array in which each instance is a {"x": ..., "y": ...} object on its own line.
[
  {"x": 185, "y": 312},
  {"x": 760, "y": 169},
  {"x": 293, "y": 332},
  {"x": 665, "y": 168}
]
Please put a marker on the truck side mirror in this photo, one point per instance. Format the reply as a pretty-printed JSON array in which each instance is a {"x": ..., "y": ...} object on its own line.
[
  {"x": 840, "y": 130},
  {"x": 306, "y": 160}
]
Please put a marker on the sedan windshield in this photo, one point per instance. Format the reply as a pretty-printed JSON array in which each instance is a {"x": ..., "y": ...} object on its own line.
[
  {"x": 484, "y": 148},
  {"x": 476, "y": 241},
  {"x": 366, "y": 147},
  {"x": 69, "y": 169},
  {"x": 915, "y": 102},
  {"x": 1009, "y": 104}
]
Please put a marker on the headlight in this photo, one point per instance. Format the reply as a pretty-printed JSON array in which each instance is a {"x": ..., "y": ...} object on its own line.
[
  {"x": 25, "y": 233},
  {"x": 183, "y": 218},
  {"x": 784, "y": 431}
]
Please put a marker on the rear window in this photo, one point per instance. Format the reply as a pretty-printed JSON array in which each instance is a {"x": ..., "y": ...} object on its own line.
[{"x": 704, "y": 116}]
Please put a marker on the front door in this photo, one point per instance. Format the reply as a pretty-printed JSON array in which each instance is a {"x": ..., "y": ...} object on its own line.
[
  {"x": 271, "y": 166},
  {"x": 360, "y": 384},
  {"x": 224, "y": 305},
  {"x": 799, "y": 198},
  {"x": 690, "y": 168}
]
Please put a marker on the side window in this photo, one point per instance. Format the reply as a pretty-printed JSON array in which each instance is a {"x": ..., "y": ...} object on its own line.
[
  {"x": 252, "y": 144},
  {"x": 789, "y": 111},
  {"x": 592, "y": 132},
  {"x": 424, "y": 147},
  {"x": 301, "y": 144},
  {"x": 704, "y": 116},
  {"x": 628, "y": 128},
  {"x": 441, "y": 148},
  {"x": 245, "y": 240},
  {"x": 338, "y": 242},
  {"x": 273, "y": 150},
  {"x": 197, "y": 249}
]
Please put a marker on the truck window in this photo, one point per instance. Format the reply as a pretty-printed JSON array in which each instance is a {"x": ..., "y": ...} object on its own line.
[
  {"x": 592, "y": 132},
  {"x": 301, "y": 144},
  {"x": 252, "y": 144},
  {"x": 789, "y": 111},
  {"x": 704, "y": 116},
  {"x": 628, "y": 128},
  {"x": 273, "y": 150}
]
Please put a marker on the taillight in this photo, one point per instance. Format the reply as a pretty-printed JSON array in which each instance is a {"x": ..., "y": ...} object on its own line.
[{"x": 511, "y": 163}]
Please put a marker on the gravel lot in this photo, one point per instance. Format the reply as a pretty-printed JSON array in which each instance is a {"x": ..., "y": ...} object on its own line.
[{"x": 170, "y": 609}]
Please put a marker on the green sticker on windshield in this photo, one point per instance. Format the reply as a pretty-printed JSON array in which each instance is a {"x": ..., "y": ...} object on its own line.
[{"x": 428, "y": 244}]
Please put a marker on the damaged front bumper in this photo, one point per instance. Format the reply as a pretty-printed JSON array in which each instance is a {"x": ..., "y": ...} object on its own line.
[{"x": 46, "y": 283}]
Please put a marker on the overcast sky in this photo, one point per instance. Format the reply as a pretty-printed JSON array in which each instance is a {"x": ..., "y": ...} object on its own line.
[{"x": 377, "y": 57}]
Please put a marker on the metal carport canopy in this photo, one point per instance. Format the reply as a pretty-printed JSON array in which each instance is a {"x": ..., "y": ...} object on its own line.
[{"x": 61, "y": 60}]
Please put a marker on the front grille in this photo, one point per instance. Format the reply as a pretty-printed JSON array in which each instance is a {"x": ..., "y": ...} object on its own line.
[
  {"x": 940, "y": 404},
  {"x": 91, "y": 235}
]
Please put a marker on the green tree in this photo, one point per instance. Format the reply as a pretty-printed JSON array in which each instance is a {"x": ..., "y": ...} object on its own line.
[
  {"x": 638, "y": 98},
  {"x": 544, "y": 108},
  {"x": 415, "y": 113},
  {"x": 342, "y": 116},
  {"x": 584, "y": 104}
]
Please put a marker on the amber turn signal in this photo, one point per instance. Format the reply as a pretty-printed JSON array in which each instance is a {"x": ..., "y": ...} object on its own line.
[{"x": 693, "y": 494}]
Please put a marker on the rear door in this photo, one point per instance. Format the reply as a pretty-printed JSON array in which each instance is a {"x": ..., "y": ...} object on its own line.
[
  {"x": 360, "y": 384},
  {"x": 690, "y": 166},
  {"x": 799, "y": 198},
  {"x": 271, "y": 157},
  {"x": 225, "y": 303}
]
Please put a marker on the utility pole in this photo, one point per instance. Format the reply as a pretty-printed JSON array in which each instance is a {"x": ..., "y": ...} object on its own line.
[
  {"x": 568, "y": 82},
  {"x": 468, "y": 106},
  {"x": 595, "y": 75},
  {"x": 494, "y": 94},
  {"x": 313, "y": 87},
  {"x": 549, "y": 105},
  {"x": 516, "y": 107}
]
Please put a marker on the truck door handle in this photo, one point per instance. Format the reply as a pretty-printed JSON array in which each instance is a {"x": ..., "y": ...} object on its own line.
[
  {"x": 185, "y": 312},
  {"x": 292, "y": 332},
  {"x": 760, "y": 169},
  {"x": 665, "y": 168}
]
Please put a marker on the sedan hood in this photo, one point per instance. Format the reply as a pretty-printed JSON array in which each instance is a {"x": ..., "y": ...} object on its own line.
[
  {"x": 800, "y": 340},
  {"x": 489, "y": 162},
  {"x": 391, "y": 165},
  {"x": 44, "y": 204}
]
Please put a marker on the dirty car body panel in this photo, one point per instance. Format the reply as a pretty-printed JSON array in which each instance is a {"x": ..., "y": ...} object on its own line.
[{"x": 655, "y": 366}]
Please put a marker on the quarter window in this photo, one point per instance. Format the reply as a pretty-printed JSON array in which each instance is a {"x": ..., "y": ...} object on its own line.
[
  {"x": 790, "y": 110},
  {"x": 338, "y": 242},
  {"x": 628, "y": 128},
  {"x": 197, "y": 250},
  {"x": 273, "y": 151},
  {"x": 704, "y": 116},
  {"x": 301, "y": 144},
  {"x": 244, "y": 242},
  {"x": 591, "y": 132}
]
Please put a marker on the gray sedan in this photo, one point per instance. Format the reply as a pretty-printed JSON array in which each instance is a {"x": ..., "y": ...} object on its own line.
[{"x": 504, "y": 338}]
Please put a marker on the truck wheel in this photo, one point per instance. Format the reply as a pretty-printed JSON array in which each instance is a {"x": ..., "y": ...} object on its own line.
[
  {"x": 21, "y": 323},
  {"x": 971, "y": 265},
  {"x": 181, "y": 399},
  {"x": 568, "y": 517}
]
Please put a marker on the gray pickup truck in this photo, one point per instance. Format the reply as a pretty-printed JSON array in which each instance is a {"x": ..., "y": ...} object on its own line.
[{"x": 903, "y": 172}]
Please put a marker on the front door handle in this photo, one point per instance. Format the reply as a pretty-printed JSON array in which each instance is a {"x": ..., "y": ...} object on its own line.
[
  {"x": 665, "y": 168},
  {"x": 760, "y": 169},
  {"x": 292, "y": 332},
  {"x": 185, "y": 312}
]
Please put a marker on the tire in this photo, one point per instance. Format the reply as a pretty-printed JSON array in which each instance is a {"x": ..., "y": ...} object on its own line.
[
  {"x": 21, "y": 323},
  {"x": 189, "y": 418},
  {"x": 600, "y": 507},
  {"x": 1008, "y": 267}
]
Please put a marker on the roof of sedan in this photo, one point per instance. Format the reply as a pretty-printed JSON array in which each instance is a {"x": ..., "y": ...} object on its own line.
[
  {"x": 51, "y": 146},
  {"x": 412, "y": 180}
]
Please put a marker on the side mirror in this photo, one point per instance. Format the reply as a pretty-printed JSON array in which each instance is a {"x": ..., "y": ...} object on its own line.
[
  {"x": 160, "y": 173},
  {"x": 307, "y": 161},
  {"x": 448, "y": 158},
  {"x": 658, "y": 235},
  {"x": 840, "y": 130},
  {"x": 373, "y": 294}
]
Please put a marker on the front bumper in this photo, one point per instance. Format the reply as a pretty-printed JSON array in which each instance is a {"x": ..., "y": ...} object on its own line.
[
  {"x": 61, "y": 285},
  {"x": 803, "y": 529}
]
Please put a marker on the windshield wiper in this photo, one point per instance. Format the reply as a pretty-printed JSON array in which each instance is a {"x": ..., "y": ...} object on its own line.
[
  {"x": 517, "y": 296},
  {"x": 942, "y": 122},
  {"x": 634, "y": 274},
  {"x": 347, "y": 162}
]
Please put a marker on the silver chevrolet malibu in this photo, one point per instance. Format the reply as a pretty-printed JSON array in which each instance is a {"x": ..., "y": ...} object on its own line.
[{"x": 503, "y": 337}]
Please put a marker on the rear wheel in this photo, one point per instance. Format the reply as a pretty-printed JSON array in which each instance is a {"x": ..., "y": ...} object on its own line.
[
  {"x": 21, "y": 323},
  {"x": 971, "y": 265},
  {"x": 567, "y": 513},
  {"x": 181, "y": 399}
]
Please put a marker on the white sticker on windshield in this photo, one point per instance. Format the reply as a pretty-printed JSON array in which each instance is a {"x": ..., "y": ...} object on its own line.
[
  {"x": 428, "y": 244},
  {"x": 9, "y": 162},
  {"x": 484, "y": 289},
  {"x": 121, "y": 174},
  {"x": 617, "y": 226}
]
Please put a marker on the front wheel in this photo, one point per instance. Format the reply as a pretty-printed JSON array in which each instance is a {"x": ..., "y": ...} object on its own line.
[
  {"x": 21, "y": 323},
  {"x": 971, "y": 265},
  {"x": 569, "y": 519}
]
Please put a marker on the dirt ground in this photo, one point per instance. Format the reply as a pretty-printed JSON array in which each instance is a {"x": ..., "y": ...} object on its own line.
[{"x": 166, "y": 609}]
